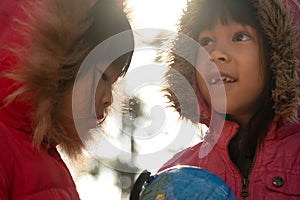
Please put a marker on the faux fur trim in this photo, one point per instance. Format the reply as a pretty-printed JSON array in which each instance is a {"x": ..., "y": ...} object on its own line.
[
  {"x": 52, "y": 35},
  {"x": 59, "y": 35},
  {"x": 278, "y": 26}
]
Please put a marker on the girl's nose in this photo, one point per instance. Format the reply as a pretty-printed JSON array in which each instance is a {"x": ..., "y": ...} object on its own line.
[
  {"x": 107, "y": 99},
  {"x": 220, "y": 55}
]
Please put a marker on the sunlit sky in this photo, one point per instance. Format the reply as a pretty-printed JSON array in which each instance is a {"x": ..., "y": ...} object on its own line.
[{"x": 157, "y": 14}]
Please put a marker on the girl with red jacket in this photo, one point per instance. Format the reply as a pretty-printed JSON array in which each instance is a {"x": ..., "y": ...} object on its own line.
[
  {"x": 253, "y": 138},
  {"x": 43, "y": 46}
]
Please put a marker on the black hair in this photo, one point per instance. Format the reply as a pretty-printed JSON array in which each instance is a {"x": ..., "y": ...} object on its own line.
[
  {"x": 243, "y": 12},
  {"x": 100, "y": 30}
]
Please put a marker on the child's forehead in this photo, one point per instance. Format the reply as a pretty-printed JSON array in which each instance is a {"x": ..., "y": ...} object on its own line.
[
  {"x": 108, "y": 67},
  {"x": 211, "y": 13},
  {"x": 113, "y": 66},
  {"x": 230, "y": 23}
]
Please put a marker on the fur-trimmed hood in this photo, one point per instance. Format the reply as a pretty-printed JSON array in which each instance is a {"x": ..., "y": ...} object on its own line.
[
  {"x": 280, "y": 24},
  {"x": 41, "y": 52}
]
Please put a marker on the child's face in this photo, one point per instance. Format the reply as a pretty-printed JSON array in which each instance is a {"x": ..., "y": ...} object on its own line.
[
  {"x": 234, "y": 49},
  {"x": 102, "y": 99},
  {"x": 103, "y": 96}
]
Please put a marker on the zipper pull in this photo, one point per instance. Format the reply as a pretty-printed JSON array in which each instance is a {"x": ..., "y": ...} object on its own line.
[{"x": 244, "y": 192}]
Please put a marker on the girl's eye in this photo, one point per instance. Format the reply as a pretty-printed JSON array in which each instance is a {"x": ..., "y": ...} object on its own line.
[
  {"x": 104, "y": 77},
  {"x": 241, "y": 37},
  {"x": 205, "y": 41}
]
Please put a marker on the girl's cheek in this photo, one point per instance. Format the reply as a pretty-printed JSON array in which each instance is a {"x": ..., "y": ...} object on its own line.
[{"x": 202, "y": 87}]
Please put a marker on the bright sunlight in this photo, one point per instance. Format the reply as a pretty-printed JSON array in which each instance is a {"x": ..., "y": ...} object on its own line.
[{"x": 158, "y": 14}]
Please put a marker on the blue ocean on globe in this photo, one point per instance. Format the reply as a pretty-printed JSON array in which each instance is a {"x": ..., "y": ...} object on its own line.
[{"x": 186, "y": 183}]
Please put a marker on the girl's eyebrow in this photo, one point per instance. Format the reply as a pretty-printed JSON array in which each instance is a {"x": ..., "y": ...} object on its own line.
[
  {"x": 249, "y": 30},
  {"x": 247, "y": 27},
  {"x": 204, "y": 33}
]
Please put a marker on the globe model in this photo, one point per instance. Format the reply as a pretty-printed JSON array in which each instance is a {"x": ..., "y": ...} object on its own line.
[{"x": 186, "y": 183}]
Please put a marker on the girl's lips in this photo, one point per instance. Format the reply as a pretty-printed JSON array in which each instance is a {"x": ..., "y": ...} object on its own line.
[
  {"x": 100, "y": 118},
  {"x": 220, "y": 78}
]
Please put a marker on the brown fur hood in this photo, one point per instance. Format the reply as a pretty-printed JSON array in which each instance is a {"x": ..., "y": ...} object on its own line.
[
  {"x": 57, "y": 35},
  {"x": 280, "y": 22}
]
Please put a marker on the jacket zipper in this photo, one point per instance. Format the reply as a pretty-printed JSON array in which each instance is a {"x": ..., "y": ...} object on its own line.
[
  {"x": 245, "y": 180},
  {"x": 244, "y": 192}
]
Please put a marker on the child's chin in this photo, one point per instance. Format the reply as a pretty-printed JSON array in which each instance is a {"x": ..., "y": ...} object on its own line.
[{"x": 219, "y": 107}]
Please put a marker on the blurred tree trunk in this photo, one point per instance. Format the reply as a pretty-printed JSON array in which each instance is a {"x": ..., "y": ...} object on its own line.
[{"x": 131, "y": 111}]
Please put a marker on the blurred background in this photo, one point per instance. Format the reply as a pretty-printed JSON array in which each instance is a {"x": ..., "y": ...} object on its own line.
[{"x": 141, "y": 123}]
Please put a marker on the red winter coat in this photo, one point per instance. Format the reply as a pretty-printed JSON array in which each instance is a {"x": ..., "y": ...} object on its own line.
[
  {"x": 275, "y": 171},
  {"x": 25, "y": 172}
]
